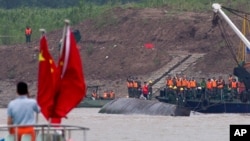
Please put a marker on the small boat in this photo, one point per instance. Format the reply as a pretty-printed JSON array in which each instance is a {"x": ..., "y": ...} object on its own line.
[
  {"x": 91, "y": 102},
  {"x": 47, "y": 132}
]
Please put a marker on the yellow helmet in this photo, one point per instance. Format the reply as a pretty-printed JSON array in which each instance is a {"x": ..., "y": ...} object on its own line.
[
  {"x": 181, "y": 89},
  {"x": 170, "y": 86},
  {"x": 150, "y": 81},
  {"x": 175, "y": 87}
]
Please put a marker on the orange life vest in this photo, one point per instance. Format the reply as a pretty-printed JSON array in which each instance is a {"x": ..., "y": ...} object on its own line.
[
  {"x": 209, "y": 85},
  {"x": 192, "y": 83},
  {"x": 188, "y": 84},
  {"x": 170, "y": 82},
  {"x": 178, "y": 83},
  {"x": 135, "y": 84},
  {"x": 184, "y": 83},
  {"x": 214, "y": 84},
  {"x": 234, "y": 84},
  {"x": 129, "y": 84}
]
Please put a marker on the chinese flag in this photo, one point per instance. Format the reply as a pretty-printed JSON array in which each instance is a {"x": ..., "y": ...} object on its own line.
[
  {"x": 72, "y": 86},
  {"x": 46, "y": 80}
]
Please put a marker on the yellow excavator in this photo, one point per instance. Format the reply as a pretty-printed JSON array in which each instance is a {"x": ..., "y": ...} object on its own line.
[{"x": 243, "y": 55}]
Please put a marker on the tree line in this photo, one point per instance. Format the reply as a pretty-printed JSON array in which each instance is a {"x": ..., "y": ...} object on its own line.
[
  {"x": 49, "y": 14},
  {"x": 10, "y": 4}
]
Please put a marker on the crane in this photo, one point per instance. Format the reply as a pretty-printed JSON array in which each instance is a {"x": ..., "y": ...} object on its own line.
[
  {"x": 239, "y": 71},
  {"x": 217, "y": 9}
]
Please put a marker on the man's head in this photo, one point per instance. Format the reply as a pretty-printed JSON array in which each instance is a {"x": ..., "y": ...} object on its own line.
[{"x": 22, "y": 88}]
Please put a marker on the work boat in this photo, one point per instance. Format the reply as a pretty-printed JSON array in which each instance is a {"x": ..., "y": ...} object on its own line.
[
  {"x": 89, "y": 102},
  {"x": 202, "y": 102},
  {"x": 47, "y": 132}
]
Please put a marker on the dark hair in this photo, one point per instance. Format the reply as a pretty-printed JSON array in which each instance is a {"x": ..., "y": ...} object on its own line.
[{"x": 22, "y": 88}]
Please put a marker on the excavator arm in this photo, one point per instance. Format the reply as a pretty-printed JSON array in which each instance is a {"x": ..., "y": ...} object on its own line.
[{"x": 239, "y": 71}]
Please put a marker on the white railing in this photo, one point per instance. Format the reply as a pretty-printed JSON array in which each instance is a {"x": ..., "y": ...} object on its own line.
[{"x": 47, "y": 132}]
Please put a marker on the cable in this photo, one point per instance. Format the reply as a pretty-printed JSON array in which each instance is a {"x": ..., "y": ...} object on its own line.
[
  {"x": 239, "y": 11},
  {"x": 235, "y": 12},
  {"x": 227, "y": 41}
]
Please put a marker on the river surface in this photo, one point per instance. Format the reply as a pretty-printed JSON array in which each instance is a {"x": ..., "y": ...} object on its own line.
[{"x": 111, "y": 127}]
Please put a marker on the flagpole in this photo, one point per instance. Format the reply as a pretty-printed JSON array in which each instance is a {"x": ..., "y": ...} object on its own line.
[
  {"x": 43, "y": 31},
  {"x": 65, "y": 45},
  {"x": 66, "y": 21}
]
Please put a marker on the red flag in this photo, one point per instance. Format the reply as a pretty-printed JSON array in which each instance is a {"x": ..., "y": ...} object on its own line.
[
  {"x": 46, "y": 80},
  {"x": 72, "y": 86},
  {"x": 149, "y": 45}
]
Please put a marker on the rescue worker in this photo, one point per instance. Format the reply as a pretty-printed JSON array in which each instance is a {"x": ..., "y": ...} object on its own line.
[
  {"x": 171, "y": 85},
  {"x": 112, "y": 94},
  {"x": 150, "y": 90},
  {"x": 184, "y": 85},
  {"x": 135, "y": 88},
  {"x": 233, "y": 88},
  {"x": 209, "y": 88},
  {"x": 220, "y": 87},
  {"x": 230, "y": 78},
  {"x": 130, "y": 87},
  {"x": 188, "y": 93},
  {"x": 214, "y": 87},
  {"x": 193, "y": 86},
  {"x": 203, "y": 87},
  {"x": 28, "y": 32},
  {"x": 105, "y": 95},
  {"x": 179, "y": 84},
  {"x": 241, "y": 88},
  {"x": 169, "y": 82},
  {"x": 145, "y": 90},
  {"x": 94, "y": 95}
]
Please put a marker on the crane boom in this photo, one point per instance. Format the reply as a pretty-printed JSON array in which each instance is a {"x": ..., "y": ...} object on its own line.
[
  {"x": 217, "y": 9},
  {"x": 240, "y": 71}
]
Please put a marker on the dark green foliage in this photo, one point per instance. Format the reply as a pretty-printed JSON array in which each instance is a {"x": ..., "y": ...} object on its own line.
[
  {"x": 50, "y": 14},
  {"x": 10, "y": 4}
]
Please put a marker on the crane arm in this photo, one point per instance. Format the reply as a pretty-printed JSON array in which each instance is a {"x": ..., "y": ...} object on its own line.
[
  {"x": 217, "y": 9},
  {"x": 239, "y": 71}
]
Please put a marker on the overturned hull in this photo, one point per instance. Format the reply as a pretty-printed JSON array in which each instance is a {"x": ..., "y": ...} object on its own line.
[{"x": 146, "y": 107}]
